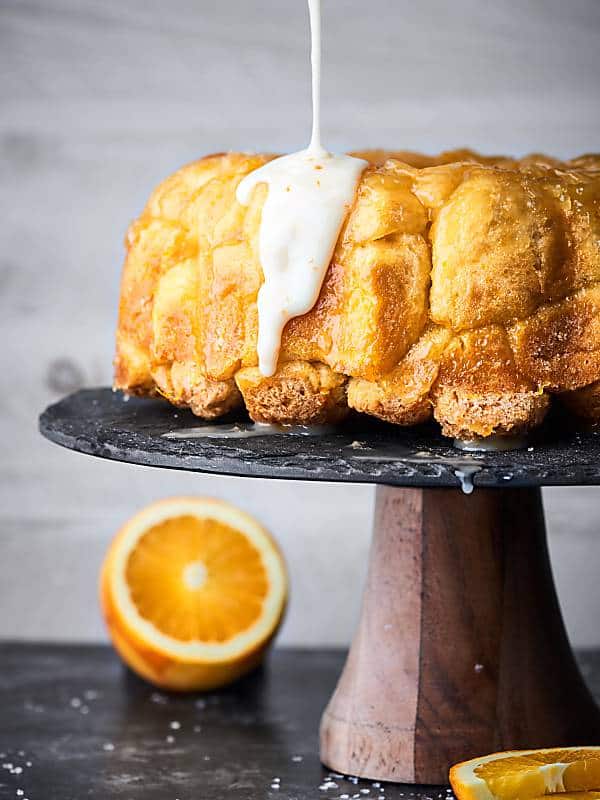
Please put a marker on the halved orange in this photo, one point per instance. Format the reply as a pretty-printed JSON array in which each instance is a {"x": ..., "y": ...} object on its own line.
[
  {"x": 528, "y": 774},
  {"x": 193, "y": 591}
]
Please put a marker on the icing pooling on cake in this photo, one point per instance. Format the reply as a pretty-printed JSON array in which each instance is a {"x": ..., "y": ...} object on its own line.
[{"x": 309, "y": 195}]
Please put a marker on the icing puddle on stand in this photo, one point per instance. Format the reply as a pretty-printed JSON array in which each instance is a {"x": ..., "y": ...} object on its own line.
[
  {"x": 463, "y": 468},
  {"x": 493, "y": 444},
  {"x": 248, "y": 430},
  {"x": 464, "y": 465}
]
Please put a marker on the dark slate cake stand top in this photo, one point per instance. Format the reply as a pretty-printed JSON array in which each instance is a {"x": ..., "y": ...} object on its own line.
[{"x": 106, "y": 424}]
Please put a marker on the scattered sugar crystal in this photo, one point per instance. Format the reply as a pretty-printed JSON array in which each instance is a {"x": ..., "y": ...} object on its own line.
[
  {"x": 90, "y": 694},
  {"x": 20, "y": 792},
  {"x": 175, "y": 725},
  {"x": 328, "y": 785},
  {"x": 28, "y": 763},
  {"x": 157, "y": 697},
  {"x": 376, "y": 785},
  {"x": 17, "y": 770},
  {"x": 75, "y": 702},
  {"x": 365, "y": 791},
  {"x": 108, "y": 746},
  {"x": 84, "y": 710},
  {"x": 344, "y": 797},
  {"x": 29, "y": 706},
  {"x": 170, "y": 739},
  {"x": 21, "y": 752},
  {"x": 297, "y": 758}
]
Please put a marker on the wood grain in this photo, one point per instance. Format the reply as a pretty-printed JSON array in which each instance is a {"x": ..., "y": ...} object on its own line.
[
  {"x": 461, "y": 649},
  {"x": 368, "y": 727}
]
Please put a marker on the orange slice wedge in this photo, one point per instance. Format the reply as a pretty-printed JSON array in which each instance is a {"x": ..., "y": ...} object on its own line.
[
  {"x": 528, "y": 774},
  {"x": 193, "y": 591}
]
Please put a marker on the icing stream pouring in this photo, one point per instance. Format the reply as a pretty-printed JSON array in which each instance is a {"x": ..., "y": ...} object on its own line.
[{"x": 309, "y": 195}]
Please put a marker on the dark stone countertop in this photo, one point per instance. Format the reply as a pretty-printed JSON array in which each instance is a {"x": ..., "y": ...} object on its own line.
[{"x": 76, "y": 724}]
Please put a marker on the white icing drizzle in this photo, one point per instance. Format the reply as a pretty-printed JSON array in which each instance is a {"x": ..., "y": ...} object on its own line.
[{"x": 309, "y": 196}]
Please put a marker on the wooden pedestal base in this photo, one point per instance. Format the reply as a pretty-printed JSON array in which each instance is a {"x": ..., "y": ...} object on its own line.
[{"x": 461, "y": 648}]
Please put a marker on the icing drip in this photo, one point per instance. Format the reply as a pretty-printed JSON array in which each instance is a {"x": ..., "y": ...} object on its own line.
[{"x": 309, "y": 195}]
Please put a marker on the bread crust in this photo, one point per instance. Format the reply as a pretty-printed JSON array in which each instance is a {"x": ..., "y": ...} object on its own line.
[{"x": 463, "y": 287}]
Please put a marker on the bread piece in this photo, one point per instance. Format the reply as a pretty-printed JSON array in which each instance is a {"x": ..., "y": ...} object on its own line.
[
  {"x": 558, "y": 347},
  {"x": 403, "y": 395},
  {"x": 479, "y": 391},
  {"x": 300, "y": 393}
]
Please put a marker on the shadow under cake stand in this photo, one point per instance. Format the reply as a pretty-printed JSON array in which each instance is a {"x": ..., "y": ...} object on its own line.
[{"x": 461, "y": 649}]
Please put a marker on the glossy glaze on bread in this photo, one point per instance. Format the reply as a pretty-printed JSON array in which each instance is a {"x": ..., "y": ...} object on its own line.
[{"x": 461, "y": 286}]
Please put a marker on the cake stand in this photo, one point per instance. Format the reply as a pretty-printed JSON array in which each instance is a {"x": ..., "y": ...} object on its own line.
[{"x": 461, "y": 649}]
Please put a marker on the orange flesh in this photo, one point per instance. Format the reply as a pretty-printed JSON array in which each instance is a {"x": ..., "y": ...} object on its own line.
[
  {"x": 227, "y": 596},
  {"x": 512, "y": 777}
]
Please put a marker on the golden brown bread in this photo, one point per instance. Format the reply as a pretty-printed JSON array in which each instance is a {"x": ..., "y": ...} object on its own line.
[{"x": 461, "y": 286}]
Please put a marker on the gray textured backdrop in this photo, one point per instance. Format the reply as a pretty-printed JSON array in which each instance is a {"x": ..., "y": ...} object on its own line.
[{"x": 99, "y": 101}]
